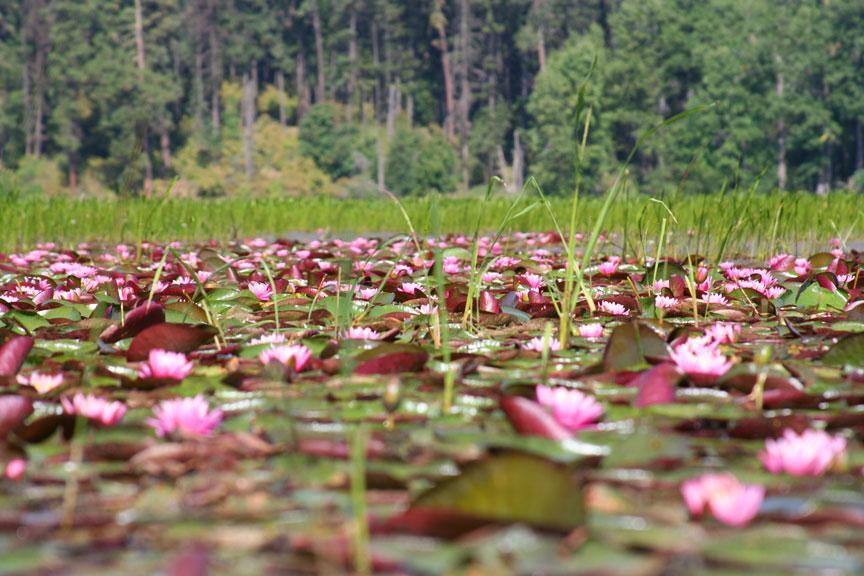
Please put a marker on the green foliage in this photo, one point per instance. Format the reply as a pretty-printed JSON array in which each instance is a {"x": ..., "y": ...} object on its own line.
[
  {"x": 554, "y": 135},
  {"x": 787, "y": 80},
  {"x": 24, "y": 221},
  {"x": 281, "y": 169},
  {"x": 329, "y": 140},
  {"x": 420, "y": 161}
]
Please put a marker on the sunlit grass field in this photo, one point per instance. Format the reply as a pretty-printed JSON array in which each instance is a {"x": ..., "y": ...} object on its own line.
[{"x": 755, "y": 223}]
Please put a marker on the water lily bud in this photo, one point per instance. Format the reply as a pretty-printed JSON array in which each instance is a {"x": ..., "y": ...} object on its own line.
[
  {"x": 763, "y": 355},
  {"x": 392, "y": 395}
]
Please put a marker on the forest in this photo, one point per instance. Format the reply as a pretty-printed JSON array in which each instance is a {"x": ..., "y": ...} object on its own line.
[{"x": 210, "y": 98}]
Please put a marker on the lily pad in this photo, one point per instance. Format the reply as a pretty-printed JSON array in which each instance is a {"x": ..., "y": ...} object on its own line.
[{"x": 506, "y": 487}]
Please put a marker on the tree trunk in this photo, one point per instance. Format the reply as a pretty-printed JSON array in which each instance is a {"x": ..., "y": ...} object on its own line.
[
  {"x": 198, "y": 83},
  {"x": 381, "y": 159},
  {"x": 603, "y": 20},
  {"x": 541, "y": 34},
  {"x": 388, "y": 54},
  {"x": 72, "y": 159},
  {"x": 377, "y": 91},
  {"x": 409, "y": 110},
  {"x": 321, "y": 94},
  {"x": 465, "y": 87},
  {"x": 140, "y": 62},
  {"x": 300, "y": 84},
  {"x": 177, "y": 78},
  {"x": 139, "y": 38},
  {"x": 447, "y": 72},
  {"x": 782, "y": 170},
  {"x": 353, "y": 60},
  {"x": 518, "y": 170},
  {"x": 248, "y": 115},
  {"x": 165, "y": 145},
  {"x": 827, "y": 174},
  {"x": 215, "y": 77},
  {"x": 541, "y": 49},
  {"x": 39, "y": 96},
  {"x": 859, "y": 144},
  {"x": 393, "y": 100},
  {"x": 280, "y": 85},
  {"x": 25, "y": 93}
]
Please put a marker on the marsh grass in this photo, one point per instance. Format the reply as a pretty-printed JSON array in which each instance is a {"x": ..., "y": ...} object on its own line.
[{"x": 718, "y": 224}]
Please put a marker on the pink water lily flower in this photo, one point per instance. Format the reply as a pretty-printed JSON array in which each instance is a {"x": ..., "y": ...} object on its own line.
[
  {"x": 811, "y": 453},
  {"x": 610, "y": 266},
  {"x": 614, "y": 308},
  {"x": 186, "y": 417},
  {"x": 361, "y": 333},
  {"x": 802, "y": 266},
  {"x": 572, "y": 409},
  {"x": 723, "y": 332},
  {"x": 537, "y": 344},
  {"x": 533, "y": 281},
  {"x": 285, "y": 355},
  {"x": 591, "y": 331},
  {"x": 411, "y": 287},
  {"x": 366, "y": 293},
  {"x": 428, "y": 309},
  {"x": 730, "y": 501},
  {"x": 42, "y": 382},
  {"x": 94, "y": 408},
  {"x": 700, "y": 359},
  {"x": 15, "y": 468},
  {"x": 261, "y": 290},
  {"x": 273, "y": 338},
  {"x": 714, "y": 298},
  {"x": 665, "y": 302},
  {"x": 165, "y": 365}
]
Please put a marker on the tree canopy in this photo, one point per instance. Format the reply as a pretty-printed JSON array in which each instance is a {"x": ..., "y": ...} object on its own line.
[{"x": 102, "y": 96}]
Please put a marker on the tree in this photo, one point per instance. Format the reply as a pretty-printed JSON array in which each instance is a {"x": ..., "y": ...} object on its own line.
[
  {"x": 112, "y": 90},
  {"x": 420, "y": 161},
  {"x": 553, "y": 105},
  {"x": 329, "y": 140}
]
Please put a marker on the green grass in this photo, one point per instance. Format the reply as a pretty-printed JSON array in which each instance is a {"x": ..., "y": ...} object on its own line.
[{"x": 708, "y": 224}]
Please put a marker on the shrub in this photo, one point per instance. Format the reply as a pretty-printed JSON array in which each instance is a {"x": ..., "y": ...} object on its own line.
[
  {"x": 328, "y": 140},
  {"x": 419, "y": 161}
]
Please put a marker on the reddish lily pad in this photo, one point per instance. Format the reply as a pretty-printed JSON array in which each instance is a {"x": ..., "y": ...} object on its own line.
[
  {"x": 13, "y": 353},
  {"x": 13, "y": 410},
  {"x": 137, "y": 320},
  {"x": 657, "y": 385},
  {"x": 531, "y": 419},
  {"x": 165, "y": 336},
  {"x": 391, "y": 359}
]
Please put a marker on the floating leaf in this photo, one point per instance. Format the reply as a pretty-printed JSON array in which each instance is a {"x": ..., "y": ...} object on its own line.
[
  {"x": 488, "y": 303},
  {"x": 43, "y": 428},
  {"x": 391, "y": 359},
  {"x": 13, "y": 411},
  {"x": 849, "y": 351},
  {"x": 630, "y": 346},
  {"x": 643, "y": 447},
  {"x": 511, "y": 487},
  {"x": 13, "y": 353},
  {"x": 173, "y": 337},
  {"x": 812, "y": 295},
  {"x": 136, "y": 321},
  {"x": 185, "y": 313},
  {"x": 531, "y": 419},
  {"x": 657, "y": 385}
]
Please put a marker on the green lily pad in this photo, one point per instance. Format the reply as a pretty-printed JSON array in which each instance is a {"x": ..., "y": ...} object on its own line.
[
  {"x": 512, "y": 487},
  {"x": 630, "y": 345}
]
